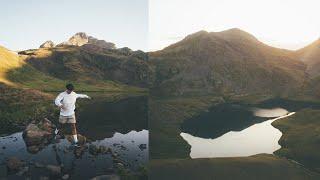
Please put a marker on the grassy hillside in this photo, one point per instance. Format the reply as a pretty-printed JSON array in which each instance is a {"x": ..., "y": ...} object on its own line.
[
  {"x": 8, "y": 60},
  {"x": 262, "y": 167},
  {"x": 20, "y": 106},
  {"x": 227, "y": 62},
  {"x": 301, "y": 138},
  {"x": 16, "y": 71},
  {"x": 91, "y": 66},
  {"x": 310, "y": 55},
  {"x": 27, "y": 93}
]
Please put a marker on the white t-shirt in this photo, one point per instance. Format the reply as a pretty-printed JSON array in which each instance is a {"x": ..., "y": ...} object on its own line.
[{"x": 68, "y": 101}]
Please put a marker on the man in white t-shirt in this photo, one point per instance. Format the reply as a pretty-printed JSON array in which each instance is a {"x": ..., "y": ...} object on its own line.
[{"x": 66, "y": 101}]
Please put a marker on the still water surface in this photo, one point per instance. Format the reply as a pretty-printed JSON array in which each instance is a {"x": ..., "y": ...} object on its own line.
[
  {"x": 120, "y": 126},
  {"x": 234, "y": 130}
]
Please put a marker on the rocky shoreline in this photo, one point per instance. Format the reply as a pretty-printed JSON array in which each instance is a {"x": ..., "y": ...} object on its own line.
[{"x": 39, "y": 135}]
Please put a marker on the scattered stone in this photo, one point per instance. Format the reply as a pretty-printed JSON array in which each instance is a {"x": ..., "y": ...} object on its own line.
[
  {"x": 116, "y": 160},
  {"x": 23, "y": 171},
  {"x": 81, "y": 139},
  {"x": 79, "y": 151},
  {"x": 33, "y": 149},
  {"x": 14, "y": 164},
  {"x": 107, "y": 177},
  {"x": 110, "y": 170},
  {"x": 44, "y": 178},
  {"x": 93, "y": 149},
  {"x": 3, "y": 147},
  {"x": 122, "y": 147},
  {"x": 55, "y": 170},
  {"x": 119, "y": 165},
  {"x": 66, "y": 176},
  {"x": 103, "y": 149},
  {"x": 114, "y": 155},
  {"x": 38, "y": 165},
  {"x": 143, "y": 147}
]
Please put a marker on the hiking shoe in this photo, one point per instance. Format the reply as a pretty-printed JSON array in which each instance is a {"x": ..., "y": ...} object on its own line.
[{"x": 56, "y": 131}]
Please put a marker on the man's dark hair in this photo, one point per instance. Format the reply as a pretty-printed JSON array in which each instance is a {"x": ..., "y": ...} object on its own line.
[{"x": 70, "y": 87}]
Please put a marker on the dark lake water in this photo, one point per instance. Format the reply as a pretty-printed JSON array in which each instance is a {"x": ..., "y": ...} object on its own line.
[
  {"x": 121, "y": 126},
  {"x": 234, "y": 130}
]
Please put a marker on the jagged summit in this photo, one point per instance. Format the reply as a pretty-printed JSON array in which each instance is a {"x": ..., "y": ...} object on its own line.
[
  {"x": 80, "y": 39},
  {"x": 47, "y": 44}
]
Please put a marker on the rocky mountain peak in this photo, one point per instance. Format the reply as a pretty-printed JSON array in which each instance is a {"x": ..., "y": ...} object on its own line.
[
  {"x": 81, "y": 38},
  {"x": 47, "y": 44}
]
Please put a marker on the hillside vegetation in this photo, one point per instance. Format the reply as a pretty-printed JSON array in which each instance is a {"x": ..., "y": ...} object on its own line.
[{"x": 227, "y": 62}]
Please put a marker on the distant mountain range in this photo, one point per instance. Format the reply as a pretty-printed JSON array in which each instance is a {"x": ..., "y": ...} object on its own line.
[{"x": 231, "y": 62}]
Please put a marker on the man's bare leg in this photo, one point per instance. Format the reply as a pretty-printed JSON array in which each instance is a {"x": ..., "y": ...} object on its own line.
[{"x": 74, "y": 132}]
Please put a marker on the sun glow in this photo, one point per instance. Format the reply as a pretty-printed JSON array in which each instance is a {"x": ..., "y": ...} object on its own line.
[{"x": 285, "y": 24}]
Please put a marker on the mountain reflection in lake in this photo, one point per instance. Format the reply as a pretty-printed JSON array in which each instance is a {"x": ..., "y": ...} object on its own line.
[
  {"x": 231, "y": 130},
  {"x": 258, "y": 138},
  {"x": 117, "y": 139}
]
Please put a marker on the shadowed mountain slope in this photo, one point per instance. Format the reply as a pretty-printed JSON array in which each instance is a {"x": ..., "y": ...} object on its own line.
[{"x": 227, "y": 62}]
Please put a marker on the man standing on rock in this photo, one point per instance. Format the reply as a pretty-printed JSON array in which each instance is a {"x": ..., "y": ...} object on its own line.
[{"x": 66, "y": 101}]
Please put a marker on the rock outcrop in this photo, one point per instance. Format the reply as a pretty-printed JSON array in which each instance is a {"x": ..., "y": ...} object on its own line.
[
  {"x": 47, "y": 44},
  {"x": 37, "y": 135},
  {"x": 81, "y": 38}
]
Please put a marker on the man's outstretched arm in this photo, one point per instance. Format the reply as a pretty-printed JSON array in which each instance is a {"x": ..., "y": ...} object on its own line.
[{"x": 83, "y": 96}]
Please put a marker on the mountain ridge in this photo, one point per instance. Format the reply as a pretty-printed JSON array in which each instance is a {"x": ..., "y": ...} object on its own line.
[{"x": 230, "y": 62}]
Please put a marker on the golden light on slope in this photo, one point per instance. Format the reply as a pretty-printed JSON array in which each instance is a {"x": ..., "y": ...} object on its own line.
[{"x": 8, "y": 60}]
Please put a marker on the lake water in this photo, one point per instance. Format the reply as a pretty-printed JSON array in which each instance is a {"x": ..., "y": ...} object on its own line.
[
  {"x": 234, "y": 130},
  {"x": 121, "y": 126}
]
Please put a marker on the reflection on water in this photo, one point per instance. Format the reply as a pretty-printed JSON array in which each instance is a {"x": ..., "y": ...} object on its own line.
[
  {"x": 220, "y": 120},
  {"x": 85, "y": 164},
  {"x": 274, "y": 112},
  {"x": 230, "y": 130},
  {"x": 116, "y": 134},
  {"x": 258, "y": 138}
]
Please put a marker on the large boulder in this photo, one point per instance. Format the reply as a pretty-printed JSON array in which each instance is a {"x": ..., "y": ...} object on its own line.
[{"x": 37, "y": 135}]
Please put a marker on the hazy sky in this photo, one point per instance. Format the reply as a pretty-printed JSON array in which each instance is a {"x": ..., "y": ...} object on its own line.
[
  {"x": 26, "y": 24},
  {"x": 287, "y": 24}
]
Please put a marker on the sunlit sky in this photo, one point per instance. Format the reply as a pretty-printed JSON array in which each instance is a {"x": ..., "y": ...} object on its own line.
[
  {"x": 155, "y": 24},
  {"x": 26, "y": 24},
  {"x": 289, "y": 24}
]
